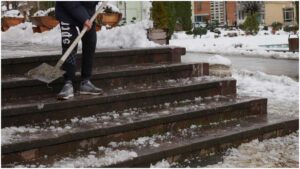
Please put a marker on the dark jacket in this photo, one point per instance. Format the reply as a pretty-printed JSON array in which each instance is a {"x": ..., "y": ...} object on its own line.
[{"x": 75, "y": 12}]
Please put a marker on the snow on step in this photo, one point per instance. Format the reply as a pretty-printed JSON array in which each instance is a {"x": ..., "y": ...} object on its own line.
[{"x": 56, "y": 128}]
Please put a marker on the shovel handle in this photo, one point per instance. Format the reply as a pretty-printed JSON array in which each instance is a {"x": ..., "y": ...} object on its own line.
[{"x": 75, "y": 42}]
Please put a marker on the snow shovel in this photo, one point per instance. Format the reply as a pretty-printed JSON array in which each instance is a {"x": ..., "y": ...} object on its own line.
[{"x": 47, "y": 73}]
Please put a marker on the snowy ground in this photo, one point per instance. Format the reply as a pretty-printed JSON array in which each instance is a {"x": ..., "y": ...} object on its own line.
[
  {"x": 283, "y": 99},
  {"x": 240, "y": 45},
  {"x": 129, "y": 36},
  {"x": 281, "y": 91}
]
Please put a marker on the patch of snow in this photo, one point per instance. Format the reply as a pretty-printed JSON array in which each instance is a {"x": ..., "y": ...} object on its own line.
[
  {"x": 43, "y": 12},
  {"x": 13, "y": 13},
  {"x": 282, "y": 92},
  {"x": 247, "y": 45},
  {"x": 219, "y": 60},
  {"x": 272, "y": 153},
  {"x": 113, "y": 7},
  {"x": 128, "y": 36},
  {"x": 110, "y": 157},
  {"x": 161, "y": 164}
]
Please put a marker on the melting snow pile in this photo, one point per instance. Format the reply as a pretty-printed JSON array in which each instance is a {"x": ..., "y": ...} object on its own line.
[
  {"x": 282, "y": 92},
  {"x": 43, "y": 12},
  {"x": 240, "y": 45},
  {"x": 273, "y": 153},
  {"x": 13, "y": 13},
  {"x": 161, "y": 164},
  {"x": 129, "y": 36},
  {"x": 219, "y": 60}
]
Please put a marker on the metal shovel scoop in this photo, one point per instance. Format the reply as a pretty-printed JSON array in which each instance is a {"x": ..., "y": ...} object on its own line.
[{"x": 47, "y": 73}]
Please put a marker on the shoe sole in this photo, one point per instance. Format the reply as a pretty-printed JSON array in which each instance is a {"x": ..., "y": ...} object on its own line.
[
  {"x": 90, "y": 93},
  {"x": 65, "y": 98}
]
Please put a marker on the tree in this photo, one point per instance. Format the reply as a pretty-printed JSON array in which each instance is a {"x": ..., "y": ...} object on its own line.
[
  {"x": 251, "y": 24},
  {"x": 159, "y": 15},
  {"x": 184, "y": 14}
]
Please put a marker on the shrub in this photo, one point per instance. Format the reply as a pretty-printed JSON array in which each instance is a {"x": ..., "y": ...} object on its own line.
[
  {"x": 266, "y": 28},
  {"x": 199, "y": 31},
  {"x": 189, "y": 32},
  {"x": 276, "y": 25},
  {"x": 251, "y": 24},
  {"x": 241, "y": 26},
  {"x": 290, "y": 28}
]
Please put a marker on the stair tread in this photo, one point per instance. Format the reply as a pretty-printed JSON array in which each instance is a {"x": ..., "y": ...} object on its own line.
[
  {"x": 167, "y": 144},
  {"x": 157, "y": 88},
  {"x": 103, "y": 71},
  {"x": 128, "y": 118}
]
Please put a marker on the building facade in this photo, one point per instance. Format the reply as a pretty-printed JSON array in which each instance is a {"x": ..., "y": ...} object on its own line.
[
  {"x": 208, "y": 11},
  {"x": 280, "y": 11}
]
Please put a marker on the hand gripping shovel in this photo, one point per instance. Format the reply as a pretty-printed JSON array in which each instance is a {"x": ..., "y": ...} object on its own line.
[{"x": 47, "y": 73}]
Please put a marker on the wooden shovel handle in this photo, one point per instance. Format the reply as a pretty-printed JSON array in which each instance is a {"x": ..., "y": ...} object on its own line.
[{"x": 75, "y": 42}]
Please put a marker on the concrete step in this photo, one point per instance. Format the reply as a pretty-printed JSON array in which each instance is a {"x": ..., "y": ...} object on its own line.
[
  {"x": 39, "y": 109},
  {"x": 100, "y": 129},
  {"x": 173, "y": 145},
  {"x": 14, "y": 88},
  {"x": 20, "y": 66}
]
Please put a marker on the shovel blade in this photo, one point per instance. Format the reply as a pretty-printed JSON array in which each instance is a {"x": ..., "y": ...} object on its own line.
[{"x": 45, "y": 73}]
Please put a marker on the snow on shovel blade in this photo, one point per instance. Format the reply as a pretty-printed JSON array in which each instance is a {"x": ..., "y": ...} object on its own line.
[{"x": 45, "y": 73}]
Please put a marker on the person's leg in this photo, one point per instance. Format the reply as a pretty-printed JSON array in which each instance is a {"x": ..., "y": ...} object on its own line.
[
  {"x": 89, "y": 41},
  {"x": 68, "y": 35}
]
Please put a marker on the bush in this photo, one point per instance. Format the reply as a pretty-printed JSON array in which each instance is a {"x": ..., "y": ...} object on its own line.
[
  {"x": 290, "y": 28},
  {"x": 212, "y": 26},
  {"x": 241, "y": 26},
  {"x": 189, "y": 32},
  {"x": 199, "y": 31},
  {"x": 217, "y": 31},
  {"x": 276, "y": 25},
  {"x": 266, "y": 28},
  {"x": 251, "y": 24}
]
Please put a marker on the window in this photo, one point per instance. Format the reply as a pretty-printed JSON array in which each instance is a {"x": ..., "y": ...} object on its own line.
[
  {"x": 288, "y": 14},
  {"x": 198, "y": 18}
]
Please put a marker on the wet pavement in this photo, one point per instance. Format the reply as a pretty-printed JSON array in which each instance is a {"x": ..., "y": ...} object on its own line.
[{"x": 267, "y": 65}]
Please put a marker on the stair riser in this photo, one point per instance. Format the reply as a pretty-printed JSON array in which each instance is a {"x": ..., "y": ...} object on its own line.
[
  {"x": 207, "y": 148},
  {"x": 131, "y": 131},
  {"x": 30, "y": 89},
  {"x": 19, "y": 66},
  {"x": 66, "y": 110}
]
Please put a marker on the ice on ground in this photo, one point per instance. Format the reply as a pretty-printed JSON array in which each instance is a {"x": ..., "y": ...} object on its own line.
[
  {"x": 219, "y": 60},
  {"x": 272, "y": 153}
]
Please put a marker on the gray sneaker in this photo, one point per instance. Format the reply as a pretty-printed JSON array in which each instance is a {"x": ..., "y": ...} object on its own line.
[
  {"x": 86, "y": 87},
  {"x": 66, "y": 92}
]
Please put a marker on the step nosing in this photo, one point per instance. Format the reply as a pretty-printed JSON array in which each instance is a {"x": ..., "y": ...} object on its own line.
[{"x": 79, "y": 135}]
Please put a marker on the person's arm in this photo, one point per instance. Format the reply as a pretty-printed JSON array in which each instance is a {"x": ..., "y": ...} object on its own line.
[{"x": 76, "y": 10}]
